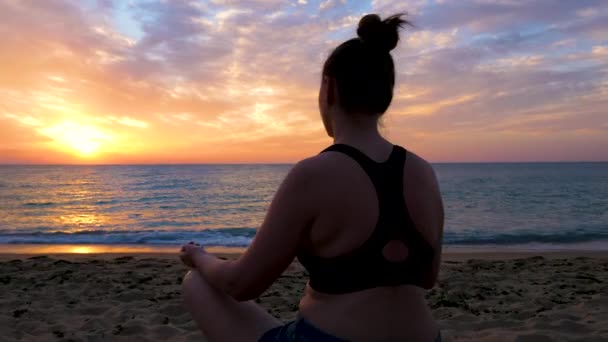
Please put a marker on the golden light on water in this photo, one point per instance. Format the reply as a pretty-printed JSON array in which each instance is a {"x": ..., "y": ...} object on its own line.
[
  {"x": 81, "y": 250},
  {"x": 116, "y": 250},
  {"x": 78, "y": 220}
]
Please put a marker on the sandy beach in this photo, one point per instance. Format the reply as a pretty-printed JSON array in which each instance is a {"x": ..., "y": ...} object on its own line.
[{"x": 559, "y": 296}]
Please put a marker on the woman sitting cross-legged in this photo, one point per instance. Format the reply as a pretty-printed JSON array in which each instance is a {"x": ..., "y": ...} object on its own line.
[{"x": 364, "y": 217}]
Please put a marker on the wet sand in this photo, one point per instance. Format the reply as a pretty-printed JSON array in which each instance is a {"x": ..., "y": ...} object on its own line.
[{"x": 559, "y": 296}]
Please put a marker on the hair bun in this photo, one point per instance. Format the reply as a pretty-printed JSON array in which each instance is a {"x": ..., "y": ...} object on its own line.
[{"x": 381, "y": 34}]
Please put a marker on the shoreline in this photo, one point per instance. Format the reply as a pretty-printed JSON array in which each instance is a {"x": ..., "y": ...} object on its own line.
[{"x": 449, "y": 253}]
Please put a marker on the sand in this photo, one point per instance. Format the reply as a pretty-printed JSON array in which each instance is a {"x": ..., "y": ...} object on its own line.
[{"x": 479, "y": 297}]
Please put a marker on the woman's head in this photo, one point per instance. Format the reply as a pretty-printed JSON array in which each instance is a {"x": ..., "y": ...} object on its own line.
[{"x": 359, "y": 75}]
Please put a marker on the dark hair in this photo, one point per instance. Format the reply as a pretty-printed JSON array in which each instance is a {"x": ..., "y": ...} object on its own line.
[{"x": 363, "y": 67}]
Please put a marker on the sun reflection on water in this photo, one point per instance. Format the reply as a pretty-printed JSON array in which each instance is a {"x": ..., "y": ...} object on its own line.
[
  {"x": 81, "y": 250},
  {"x": 82, "y": 220}
]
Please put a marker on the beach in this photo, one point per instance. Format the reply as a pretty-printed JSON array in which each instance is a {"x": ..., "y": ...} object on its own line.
[
  {"x": 475, "y": 131},
  {"x": 481, "y": 296}
]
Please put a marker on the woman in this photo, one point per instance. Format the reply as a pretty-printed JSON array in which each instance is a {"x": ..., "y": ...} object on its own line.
[{"x": 365, "y": 218}]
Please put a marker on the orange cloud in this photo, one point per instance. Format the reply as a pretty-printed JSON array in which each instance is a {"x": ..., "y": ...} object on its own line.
[{"x": 237, "y": 81}]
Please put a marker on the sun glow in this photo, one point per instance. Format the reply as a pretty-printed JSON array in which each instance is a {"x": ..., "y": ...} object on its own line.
[
  {"x": 84, "y": 140},
  {"x": 82, "y": 250}
]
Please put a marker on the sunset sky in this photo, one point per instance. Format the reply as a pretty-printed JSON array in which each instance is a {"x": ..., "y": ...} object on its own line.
[{"x": 232, "y": 81}]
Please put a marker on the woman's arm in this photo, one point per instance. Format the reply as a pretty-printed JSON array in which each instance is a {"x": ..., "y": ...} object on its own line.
[
  {"x": 425, "y": 207},
  {"x": 276, "y": 243}
]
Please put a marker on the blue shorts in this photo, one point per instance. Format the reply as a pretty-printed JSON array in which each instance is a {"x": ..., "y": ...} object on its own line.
[{"x": 301, "y": 330}]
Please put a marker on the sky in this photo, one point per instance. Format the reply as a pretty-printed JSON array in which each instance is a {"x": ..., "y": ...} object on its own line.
[{"x": 236, "y": 81}]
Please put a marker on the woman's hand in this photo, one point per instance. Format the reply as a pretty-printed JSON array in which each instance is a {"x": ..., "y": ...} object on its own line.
[{"x": 189, "y": 252}]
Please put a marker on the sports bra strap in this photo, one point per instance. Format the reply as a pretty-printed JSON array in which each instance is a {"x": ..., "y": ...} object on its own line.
[
  {"x": 382, "y": 174},
  {"x": 363, "y": 160}
]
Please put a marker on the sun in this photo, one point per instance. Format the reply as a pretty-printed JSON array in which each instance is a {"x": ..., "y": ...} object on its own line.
[{"x": 84, "y": 140}]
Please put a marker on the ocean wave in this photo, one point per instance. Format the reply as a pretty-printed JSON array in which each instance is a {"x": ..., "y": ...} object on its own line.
[
  {"x": 169, "y": 223},
  {"x": 515, "y": 238},
  {"x": 158, "y": 198},
  {"x": 181, "y": 206},
  {"x": 156, "y": 184},
  {"x": 242, "y": 237},
  {"x": 102, "y": 202},
  {"x": 39, "y": 204},
  {"x": 227, "y": 237},
  {"x": 27, "y": 186}
]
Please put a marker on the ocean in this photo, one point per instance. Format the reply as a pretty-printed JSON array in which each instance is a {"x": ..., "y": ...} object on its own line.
[{"x": 491, "y": 205}]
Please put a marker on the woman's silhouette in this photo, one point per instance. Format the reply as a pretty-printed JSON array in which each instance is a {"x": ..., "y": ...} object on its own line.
[{"x": 365, "y": 218}]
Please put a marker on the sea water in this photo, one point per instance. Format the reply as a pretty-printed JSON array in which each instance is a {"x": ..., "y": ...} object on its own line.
[{"x": 494, "y": 204}]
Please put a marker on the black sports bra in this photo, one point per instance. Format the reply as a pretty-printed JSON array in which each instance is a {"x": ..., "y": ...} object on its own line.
[{"x": 366, "y": 267}]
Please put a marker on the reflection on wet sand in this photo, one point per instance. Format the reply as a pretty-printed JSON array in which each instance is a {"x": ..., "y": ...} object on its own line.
[{"x": 103, "y": 249}]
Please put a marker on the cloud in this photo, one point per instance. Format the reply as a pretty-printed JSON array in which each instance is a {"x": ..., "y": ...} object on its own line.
[
  {"x": 600, "y": 51},
  {"x": 328, "y": 4},
  {"x": 202, "y": 76},
  {"x": 127, "y": 121}
]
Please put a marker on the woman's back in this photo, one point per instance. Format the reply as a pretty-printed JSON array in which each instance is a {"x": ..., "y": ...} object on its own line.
[
  {"x": 368, "y": 232},
  {"x": 348, "y": 210}
]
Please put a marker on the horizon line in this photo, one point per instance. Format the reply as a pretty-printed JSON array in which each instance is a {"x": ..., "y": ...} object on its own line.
[{"x": 292, "y": 163}]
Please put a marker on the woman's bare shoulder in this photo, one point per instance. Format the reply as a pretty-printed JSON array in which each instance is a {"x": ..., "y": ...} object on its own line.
[
  {"x": 418, "y": 168},
  {"x": 322, "y": 166}
]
